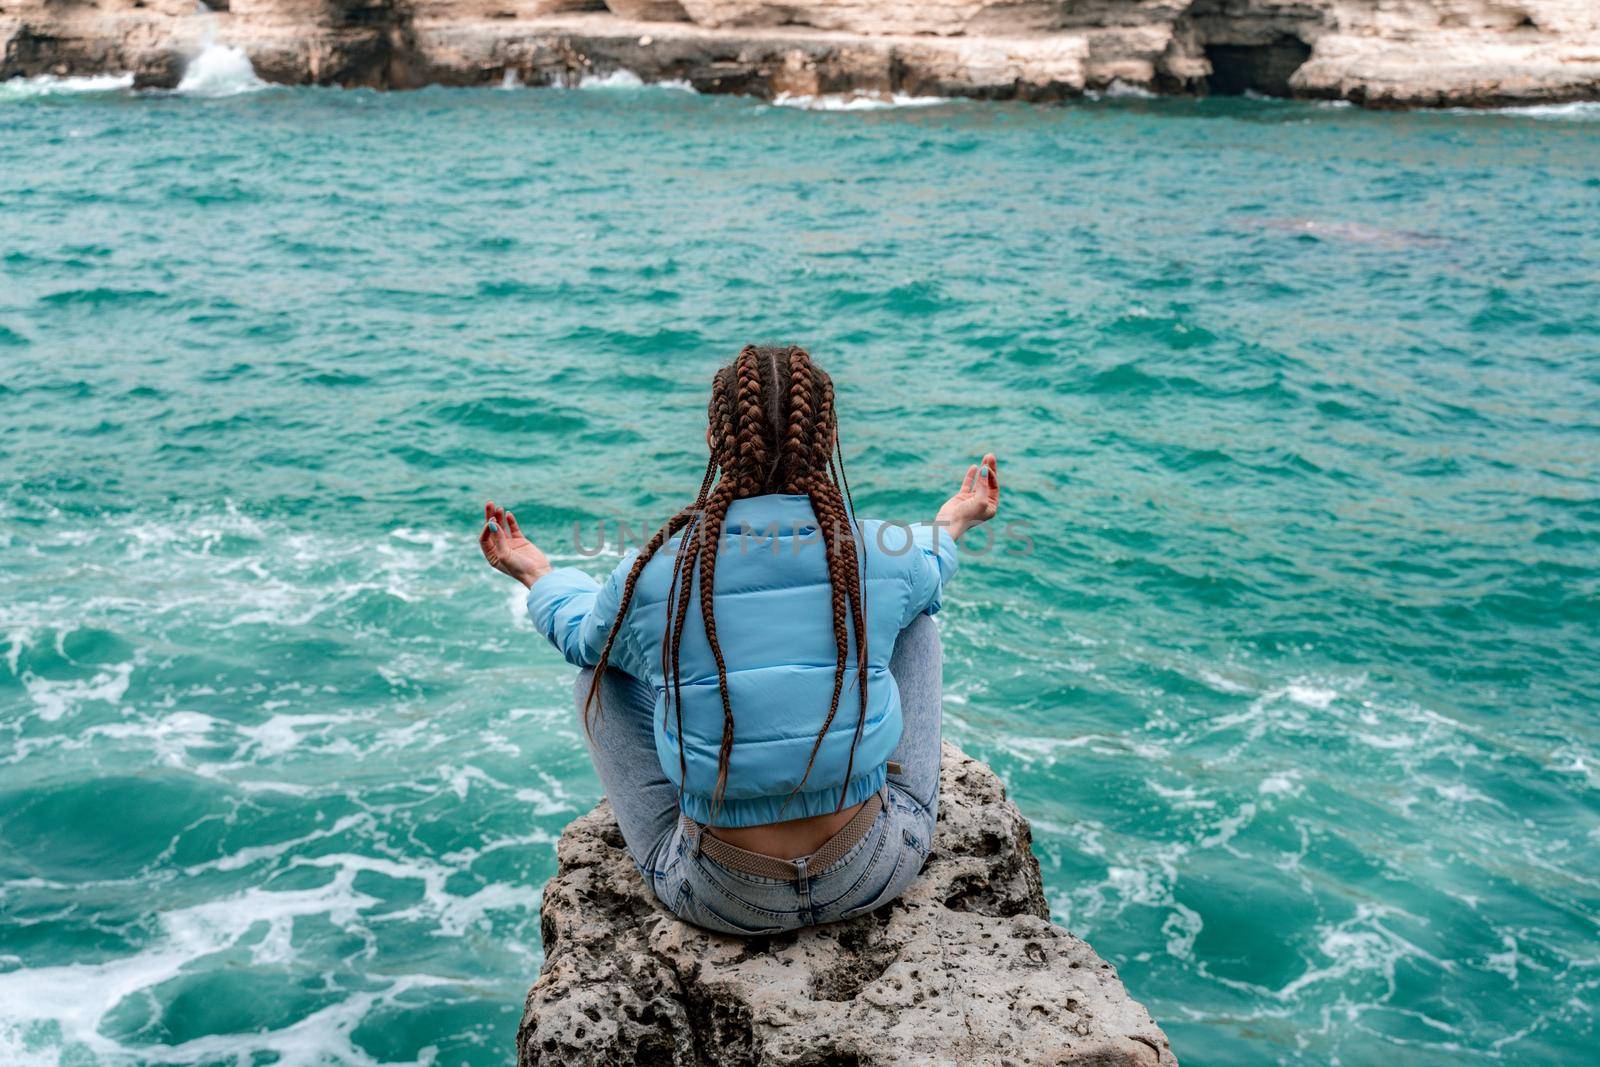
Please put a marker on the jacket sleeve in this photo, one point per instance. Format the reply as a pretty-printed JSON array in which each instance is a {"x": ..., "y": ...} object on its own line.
[
  {"x": 934, "y": 559},
  {"x": 575, "y": 613}
]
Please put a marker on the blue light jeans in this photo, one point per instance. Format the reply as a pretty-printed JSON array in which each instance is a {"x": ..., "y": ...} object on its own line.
[{"x": 697, "y": 889}]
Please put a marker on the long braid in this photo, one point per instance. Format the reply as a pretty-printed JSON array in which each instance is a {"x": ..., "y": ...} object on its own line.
[
  {"x": 813, "y": 442},
  {"x": 591, "y": 702},
  {"x": 856, "y": 574},
  {"x": 802, "y": 417},
  {"x": 753, "y": 452},
  {"x": 708, "y": 572},
  {"x": 801, "y": 441},
  {"x": 719, "y": 416},
  {"x": 855, "y": 588}
]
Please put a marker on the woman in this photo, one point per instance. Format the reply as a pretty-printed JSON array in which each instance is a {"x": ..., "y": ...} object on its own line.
[{"x": 760, "y": 685}]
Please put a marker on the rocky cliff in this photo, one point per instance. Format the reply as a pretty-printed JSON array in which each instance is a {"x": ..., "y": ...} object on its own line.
[
  {"x": 965, "y": 969},
  {"x": 1375, "y": 52}
]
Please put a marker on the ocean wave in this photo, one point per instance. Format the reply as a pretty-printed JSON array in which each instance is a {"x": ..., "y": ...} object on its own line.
[
  {"x": 89, "y": 1006},
  {"x": 1582, "y": 110},
  {"x": 220, "y": 70},
  {"x": 1118, "y": 89},
  {"x": 56, "y": 85},
  {"x": 854, "y": 101},
  {"x": 627, "y": 79}
]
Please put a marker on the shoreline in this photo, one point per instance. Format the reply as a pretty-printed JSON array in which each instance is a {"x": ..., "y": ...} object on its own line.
[{"x": 389, "y": 47}]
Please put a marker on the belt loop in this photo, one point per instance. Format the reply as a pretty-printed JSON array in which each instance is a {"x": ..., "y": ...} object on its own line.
[
  {"x": 802, "y": 882},
  {"x": 696, "y": 832}
]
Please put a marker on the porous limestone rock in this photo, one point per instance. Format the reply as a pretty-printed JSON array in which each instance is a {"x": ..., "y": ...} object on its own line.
[
  {"x": 887, "y": 16},
  {"x": 966, "y": 968},
  {"x": 1380, "y": 53},
  {"x": 648, "y": 10}
]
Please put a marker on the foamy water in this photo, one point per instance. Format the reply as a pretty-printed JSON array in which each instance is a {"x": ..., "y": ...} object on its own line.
[
  {"x": 51, "y": 84},
  {"x": 855, "y": 101},
  {"x": 220, "y": 70},
  {"x": 627, "y": 79},
  {"x": 1294, "y": 679}
]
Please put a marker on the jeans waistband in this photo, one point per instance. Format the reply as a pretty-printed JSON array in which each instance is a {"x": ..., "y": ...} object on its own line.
[{"x": 754, "y": 863}]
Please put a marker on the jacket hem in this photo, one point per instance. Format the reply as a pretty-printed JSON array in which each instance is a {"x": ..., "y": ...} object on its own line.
[{"x": 759, "y": 811}]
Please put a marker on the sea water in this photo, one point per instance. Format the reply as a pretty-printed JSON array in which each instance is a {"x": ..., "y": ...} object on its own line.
[{"x": 1292, "y": 658}]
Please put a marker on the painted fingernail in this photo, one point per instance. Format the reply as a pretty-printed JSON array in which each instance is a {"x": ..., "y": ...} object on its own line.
[{"x": 493, "y": 526}]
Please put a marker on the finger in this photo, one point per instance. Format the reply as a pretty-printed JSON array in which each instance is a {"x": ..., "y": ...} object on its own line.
[
  {"x": 511, "y": 525},
  {"x": 488, "y": 511},
  {"x": 970, "y": 480},
  {"x": 992, "y": 465}
]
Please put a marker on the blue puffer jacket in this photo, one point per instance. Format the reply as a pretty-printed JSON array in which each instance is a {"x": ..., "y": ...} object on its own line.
[{"x": 775, "y": 625}]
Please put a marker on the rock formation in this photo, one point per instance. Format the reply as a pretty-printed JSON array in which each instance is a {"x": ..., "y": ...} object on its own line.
[
  {"x": 965, "y": 969},
  {"x": 1390, "y": 53}
]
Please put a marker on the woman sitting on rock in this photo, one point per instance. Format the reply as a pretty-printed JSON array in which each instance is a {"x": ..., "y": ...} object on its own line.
[{"x": 760, "y": 685}]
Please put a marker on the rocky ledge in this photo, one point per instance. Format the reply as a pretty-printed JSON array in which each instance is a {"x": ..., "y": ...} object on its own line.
[
  {"x": 1382, "y": 54},
  {"x": 966, "y": 968}
]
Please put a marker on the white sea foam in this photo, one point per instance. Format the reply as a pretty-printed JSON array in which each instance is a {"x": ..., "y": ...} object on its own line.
[
  {"x": 1186, "y": 799},
  {"x": 614, "y": 79},
  {"x": 220, "y": 70},
  {"x": 1505, "y": 962},
  {"x": 283, "y": 733},
  {"x": 167, "y": 737},
  {"x": 77, "y": 997},
  {"x": 1120, "y": 90},
  {"x": 17, "y": 640},
  {"x": 1461, "y": 793},
  {"x": 53, "y": 699},
  {"x": 52, "y": 85},
  {"x": 44, "y": 1009},
  {"x": 855, "y": 101},
  {"x": 1221, "y": 684},
  {"x": 1311, "y": 696},
  {"x": 1283, "y": 784},
  {"x": 1182, "y": 926},
  {"x": 627, "y": 79},
  {"x": 516, "y": 601},
  {"x": 1582, "y": 110},
  {"x": 1572, "y": 759}
]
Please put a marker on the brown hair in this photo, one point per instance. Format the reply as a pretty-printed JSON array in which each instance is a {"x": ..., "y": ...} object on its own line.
[{"x": 772, "y": 430}]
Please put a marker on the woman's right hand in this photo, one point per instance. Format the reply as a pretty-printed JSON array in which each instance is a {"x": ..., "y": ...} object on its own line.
[
  {"x": 507, "y": 550},
  {"x": 977, "y": 501}
]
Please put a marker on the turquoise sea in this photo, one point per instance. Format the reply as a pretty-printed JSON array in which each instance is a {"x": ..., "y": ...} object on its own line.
[{"x": 1299, "y": 405}]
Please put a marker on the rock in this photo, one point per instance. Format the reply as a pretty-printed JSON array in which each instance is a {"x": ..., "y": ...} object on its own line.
[
  {"x": 518, "y": 10},
  {"x": 648, "y": 10},
  {"x": 966, "y": 968},
  {"x": 1389, "y": 54},
  {"x": 762, "y": 62}
]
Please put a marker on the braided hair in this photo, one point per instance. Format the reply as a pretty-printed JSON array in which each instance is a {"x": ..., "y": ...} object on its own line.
[{"x": 773, "y": 429}]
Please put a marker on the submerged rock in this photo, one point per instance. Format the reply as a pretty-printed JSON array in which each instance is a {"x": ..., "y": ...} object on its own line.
[{"x": 966, "y": 968}]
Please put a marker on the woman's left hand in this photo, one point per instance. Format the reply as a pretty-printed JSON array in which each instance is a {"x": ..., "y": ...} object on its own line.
[{"x": 507, "y": 550}]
